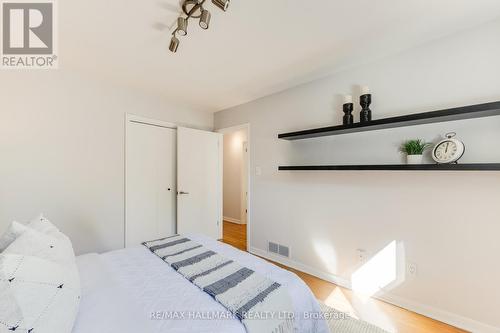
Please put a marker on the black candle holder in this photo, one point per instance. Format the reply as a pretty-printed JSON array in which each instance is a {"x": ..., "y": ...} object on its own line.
[
  {"x": 348, "y": 118},
  {"x": 365, "y": 114}
]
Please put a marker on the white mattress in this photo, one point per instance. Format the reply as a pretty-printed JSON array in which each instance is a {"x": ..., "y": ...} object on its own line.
[{"x": 122, "y": 289}]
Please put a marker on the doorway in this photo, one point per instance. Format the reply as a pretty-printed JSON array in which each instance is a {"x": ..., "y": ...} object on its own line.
[{"x": 236, "y": 185}]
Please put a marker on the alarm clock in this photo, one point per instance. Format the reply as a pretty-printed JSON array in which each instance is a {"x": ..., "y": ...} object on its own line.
[{"x": 449, "y": 150}]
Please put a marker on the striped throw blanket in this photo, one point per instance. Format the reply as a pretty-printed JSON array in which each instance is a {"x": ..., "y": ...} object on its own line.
[{"x": 262, "y": 305}]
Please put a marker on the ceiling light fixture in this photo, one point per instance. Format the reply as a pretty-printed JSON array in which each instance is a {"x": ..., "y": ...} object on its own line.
[
  {"x": 174, "y": 44},
  {"x": 205, "y": 19},
  {"x": 182, "y": 26},
  {"x": 222, "y": 4},
  {"x": 194, "y": 9}
]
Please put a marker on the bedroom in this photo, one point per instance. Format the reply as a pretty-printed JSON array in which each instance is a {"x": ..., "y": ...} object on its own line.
[{"x": 397, "y": 247}]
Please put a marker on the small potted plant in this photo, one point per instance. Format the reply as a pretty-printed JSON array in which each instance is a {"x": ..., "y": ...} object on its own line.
[{"x": 414, "y": 150}]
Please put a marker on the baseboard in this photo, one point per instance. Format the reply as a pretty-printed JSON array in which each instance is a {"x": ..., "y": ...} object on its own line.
[
  {"x": 464, "y": 323},
  {"x": 301, "y": 267},
  {"x": 449, "y": 318},
  {"x": 232, "y": 220}
]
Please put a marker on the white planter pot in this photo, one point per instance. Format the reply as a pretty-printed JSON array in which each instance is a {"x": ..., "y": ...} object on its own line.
[{"x": 413, "y": 159}]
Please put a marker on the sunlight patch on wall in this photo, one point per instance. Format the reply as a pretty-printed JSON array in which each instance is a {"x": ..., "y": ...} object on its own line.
[{"x": 384, "y": 270}]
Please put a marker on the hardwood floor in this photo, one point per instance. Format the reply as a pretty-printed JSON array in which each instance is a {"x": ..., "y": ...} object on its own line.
[
  {"x": 235, "y": 234},
  {"x": 387, "y": 316}
]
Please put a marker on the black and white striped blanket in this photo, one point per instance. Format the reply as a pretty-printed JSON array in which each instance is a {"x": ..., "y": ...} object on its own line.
[{"x": 261, "y": 304}]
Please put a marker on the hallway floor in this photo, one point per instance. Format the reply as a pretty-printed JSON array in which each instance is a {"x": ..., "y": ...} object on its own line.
[{"x": 235, "y": 235}]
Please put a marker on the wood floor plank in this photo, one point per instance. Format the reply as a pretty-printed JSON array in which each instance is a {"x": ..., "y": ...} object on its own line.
[{"x": 382, "y": 314}]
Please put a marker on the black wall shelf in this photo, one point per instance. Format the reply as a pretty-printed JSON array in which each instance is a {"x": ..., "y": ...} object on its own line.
[
  {"x": 398, "y": 167},
  {"x": 460, "y": 113}
]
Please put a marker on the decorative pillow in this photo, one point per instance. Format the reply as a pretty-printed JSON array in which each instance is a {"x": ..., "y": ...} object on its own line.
[
  {"x": 15, "y": 230},
  {"x": 10, "y": 313},
  {"x": 46, "y": 294},
  {"x": 39, "y": 282},
  {"x": 43, "y": 225},
  {"x": 34, "y": 243}
]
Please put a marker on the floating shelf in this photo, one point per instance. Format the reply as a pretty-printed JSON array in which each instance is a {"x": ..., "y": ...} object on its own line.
[
  {"x": 401, "y": 167},
  {"x": 466, "y": 112}
]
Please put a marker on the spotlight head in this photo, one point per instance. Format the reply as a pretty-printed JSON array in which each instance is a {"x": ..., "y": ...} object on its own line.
[
  {"x": 222, "y": 4},
  {"x": 205, "y": 19},
  {"x": 174, "y": 44},
  {"x": 182, "y": 25}
]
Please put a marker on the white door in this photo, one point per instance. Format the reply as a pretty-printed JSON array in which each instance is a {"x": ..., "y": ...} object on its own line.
[
  {"x": 150, "y": 182},
  {"x": 199, "y": 179}
]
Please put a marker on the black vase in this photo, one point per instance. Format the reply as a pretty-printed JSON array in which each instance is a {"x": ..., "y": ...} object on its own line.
[
  {"x": 348, "y": 118},
  {"x": 365, "y": 114}
]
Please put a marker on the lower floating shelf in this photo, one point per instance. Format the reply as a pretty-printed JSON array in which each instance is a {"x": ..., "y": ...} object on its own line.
[{"x": 398, "y": 167}]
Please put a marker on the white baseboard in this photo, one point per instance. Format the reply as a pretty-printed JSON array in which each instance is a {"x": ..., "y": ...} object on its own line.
[
  {"x": 465, "y": 323},
  {"x": 449, "y": 318},
  {"x": 301, "y": 267},
  {"x": 232, "y": 220}
]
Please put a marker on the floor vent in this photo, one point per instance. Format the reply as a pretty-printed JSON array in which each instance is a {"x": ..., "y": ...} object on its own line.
[{"x": 279, "y": 249}]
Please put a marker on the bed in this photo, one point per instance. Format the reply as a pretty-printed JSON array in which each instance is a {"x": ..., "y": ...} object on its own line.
[
  {"x": 45, "y": 289},
  {"x": 132, "y": 290}
]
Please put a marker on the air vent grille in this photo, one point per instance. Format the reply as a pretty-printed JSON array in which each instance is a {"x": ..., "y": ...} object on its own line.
[
  {"x": 273, "y": 247},
  {"x": 284, "y": 251},
  {"x": 279, "y": 249}
]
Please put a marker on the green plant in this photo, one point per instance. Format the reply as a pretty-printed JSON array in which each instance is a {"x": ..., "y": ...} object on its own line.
[{"x": 414, "y": 147}]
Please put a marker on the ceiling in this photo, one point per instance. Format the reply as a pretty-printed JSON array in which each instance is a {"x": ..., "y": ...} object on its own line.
[{"x": 257, "y": 48}]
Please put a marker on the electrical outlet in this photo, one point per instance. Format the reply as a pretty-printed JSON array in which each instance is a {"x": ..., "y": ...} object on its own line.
[
  {"x": 258, "y": 171},
  {"x": 361, "y": 255},
  {"x": 411, "y": 268}
]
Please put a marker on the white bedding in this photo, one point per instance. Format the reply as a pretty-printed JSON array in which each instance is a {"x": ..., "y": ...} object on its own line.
[{"x": 122, "y": 289}]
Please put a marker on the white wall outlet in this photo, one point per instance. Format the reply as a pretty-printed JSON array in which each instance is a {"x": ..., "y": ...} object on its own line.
[
  {"x": 412, "y": 269},
  {"x": 258, "y": 171},
  {"x": 361, "y": 255}
]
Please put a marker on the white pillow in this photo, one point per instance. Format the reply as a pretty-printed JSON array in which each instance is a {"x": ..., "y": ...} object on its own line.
[
  {"x": 47, "y": 295},
  {"x": 15, "y": 230},
  {"x": 34, "y": 243},
  {"x": 39, "y": 278},
  {"x": 10, "y": 313},
  {"x": 43, "y": 225}
]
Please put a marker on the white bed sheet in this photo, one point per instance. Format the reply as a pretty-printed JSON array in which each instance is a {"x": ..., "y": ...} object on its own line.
[{"x": 121, "y": 290}]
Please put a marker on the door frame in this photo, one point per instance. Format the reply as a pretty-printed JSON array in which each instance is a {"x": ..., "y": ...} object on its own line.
[
  {"x": 245, "y": 126},
  {"x": 244, "y": 180},
  {"x": 129, "y": 117},
  {"x": 132, "y": 118}
]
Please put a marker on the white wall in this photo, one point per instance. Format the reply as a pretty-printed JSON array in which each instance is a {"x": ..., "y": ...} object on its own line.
[
  {"x": 62, "y": 152},
  {"x": 233, "y": 159},
  {"x": 448, "y": 222}
]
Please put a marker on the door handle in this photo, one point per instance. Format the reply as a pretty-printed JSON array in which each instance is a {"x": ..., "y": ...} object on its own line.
[{"x": 182, "y": 192}]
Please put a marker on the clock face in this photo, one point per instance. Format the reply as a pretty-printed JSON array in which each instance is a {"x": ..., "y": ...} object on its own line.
[{"x": 448, "y": 151}]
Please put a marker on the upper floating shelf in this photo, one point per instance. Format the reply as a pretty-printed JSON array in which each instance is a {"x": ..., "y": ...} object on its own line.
[{"x": 465, "y": 112}]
